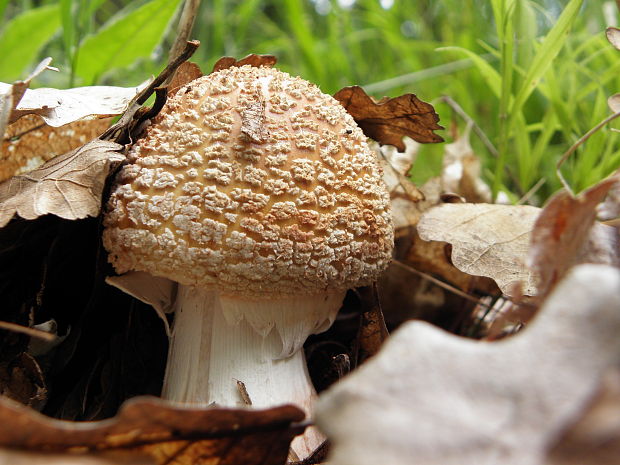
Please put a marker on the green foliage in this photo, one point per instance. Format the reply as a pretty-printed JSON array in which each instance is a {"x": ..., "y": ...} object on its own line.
[
  {"x": 124, "y": 39},
  {"x": 23, "y": 37},
  {"x": 533, "y": 74}
]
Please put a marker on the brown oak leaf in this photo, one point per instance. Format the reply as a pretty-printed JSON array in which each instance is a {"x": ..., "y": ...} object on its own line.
[
  {"x": 69, "y": 186},
  {"x": 252, "y": 60},
  {"x": 389, "y": 119},
  {"x": 186, "y": 73},
  {"x": 167, "y": 434},
  {"x": 29, "y": 142}
]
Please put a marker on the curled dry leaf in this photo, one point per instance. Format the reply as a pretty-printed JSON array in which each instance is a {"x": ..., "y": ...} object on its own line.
[
  {"x": 563, "y": 235},
  {"x": 11, "y": 94},
  {"x": 388, "y": 120},
  {"x": 614, "y": 103},
  {"x": 404, "y": 194},
  {"x": 59, "y": 107},
  {"x": 461, "y": 171},
  {"x": 613, "y": 36},
  {"x": 609, "y": 209},
  {"x": 154, "y": 428},
  {"x": 430, "y": 397},
  {"x": 184, "y": 74},
  {"x": 252, "y": 60},
  {"x": 487, "y": 240},
  {"x": 29, "y": 142},
  {"x": 68, "y": 186}
]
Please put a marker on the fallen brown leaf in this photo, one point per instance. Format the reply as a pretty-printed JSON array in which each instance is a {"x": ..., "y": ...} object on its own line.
[
  {"x": 169, "y": 434},
  {"x": 613, "y": 36},
  {"x": 29, "y": 142},
  {"x": 461, "y": 171},
  {"x": 186, "y": 73},
  {"x": 560, "y": 235},
  {"x": 252, "y": 60},
  {"x": 11, "y": 94},
  {"x": 388, "y": 120},
  {"x": 372, "y": 332},
  {"x": 430, "y": 397},
  {"x": 69, "y": 186},
  {"x": 487, "y": 240},
  {"x": 58, "y": 107}
]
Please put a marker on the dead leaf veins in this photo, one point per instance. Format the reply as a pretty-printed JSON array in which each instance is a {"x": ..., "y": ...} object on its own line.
[
  {"x": 388, "y": 120},
  {"x": 68, "y": 186}
]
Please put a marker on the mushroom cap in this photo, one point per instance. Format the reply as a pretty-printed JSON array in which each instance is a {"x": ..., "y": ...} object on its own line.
[{"x": 255, "y": 183}]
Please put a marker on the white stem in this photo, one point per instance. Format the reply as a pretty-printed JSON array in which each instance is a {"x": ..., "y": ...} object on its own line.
[{"x": 217, "y": 341}]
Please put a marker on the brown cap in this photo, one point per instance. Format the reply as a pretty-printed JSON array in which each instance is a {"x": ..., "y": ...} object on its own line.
[{"x": 255, "y": 183}]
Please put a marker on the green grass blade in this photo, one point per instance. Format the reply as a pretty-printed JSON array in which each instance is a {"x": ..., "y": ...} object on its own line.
[
  {"x": 551, "y": 46},
  {"x": 23, "y": 37},
  {"x": 490, "y": 75},
  {"x": 125, "y": 40}
]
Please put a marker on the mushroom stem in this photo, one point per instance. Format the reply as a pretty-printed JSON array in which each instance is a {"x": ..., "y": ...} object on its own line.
[{"x": 223, "y": 348}]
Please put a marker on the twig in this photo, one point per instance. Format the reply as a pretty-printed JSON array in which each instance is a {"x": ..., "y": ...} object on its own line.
[
  {"x": 438, "y": 282},
  {"x": 27, "y": 331},
  {"x": 574, "y": 147},
  {"x": 532, "y": 191},
  {"x": 186, "y": 24},
  {"x": 477, "y": 129}
]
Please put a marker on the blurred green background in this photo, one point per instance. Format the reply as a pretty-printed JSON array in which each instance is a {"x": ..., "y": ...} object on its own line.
[{"x": 534, "y": 75}]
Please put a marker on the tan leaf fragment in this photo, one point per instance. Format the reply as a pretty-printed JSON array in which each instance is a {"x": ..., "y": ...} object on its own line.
[
  {"x": 388, "y": 120},
  {"x": 461, "y": 171},
  {"x": 614, "y": 103},
  {"x": 609, "y": 209},
  {"x": 58, "y": 107},
  {"x": 562, "y": 235},
  {"x": 613, "y": 36},
  {"x": 185, "y": 73},
  {"x": 29, "y": 142},
  {"x": 69, "y": 186},
  {"x": 152, "y": 428},
  {"x": 433, "y": 398},
  {"x": 252, "y": 60},
  {"x": 11, "y": 94},
  {"x": 487, "y": 240},
  {"x": 252, "y": 121}
]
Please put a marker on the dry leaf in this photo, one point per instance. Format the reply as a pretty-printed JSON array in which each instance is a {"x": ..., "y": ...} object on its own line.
[
  {"x": 562, "y": 230},
  {"x": 613, "y": 36},
  {"x": 487, "y": 240},
  {"x": 252, "y": 60},
  {"x": 186, "y": 73},
  {"x": 609, "y": 209},
  {"x": 614, "y": 103},
  {"x": 171, "y": 435},
  {"x": 595, "y": 438},
  {"x": 11, "y": 94},
  {"x": 388, "y": 120},
  {"x": 69, "y": 186},
  {"x": 253, "y": 119},
  {"x": 59, "y": 107},
  {"x": 461, "y": 171},
  {"x": 403, "y": 193},
  {"x": 29, "y": 142},
  {"x": 372, "y": 332},
  {"x": 430, "y": 397}
]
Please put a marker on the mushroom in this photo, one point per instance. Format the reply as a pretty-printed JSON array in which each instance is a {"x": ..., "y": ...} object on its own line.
[{"x": 259, "y": 196}]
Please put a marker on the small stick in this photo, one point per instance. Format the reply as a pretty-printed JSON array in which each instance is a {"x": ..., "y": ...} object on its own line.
[
  {"x": 186, "y": 24},
  {"x": 27, "y": 331},
  {"x": 574, "y": 147}
]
